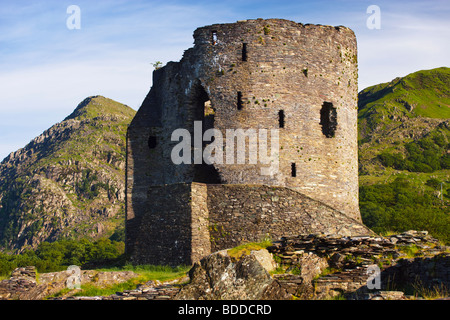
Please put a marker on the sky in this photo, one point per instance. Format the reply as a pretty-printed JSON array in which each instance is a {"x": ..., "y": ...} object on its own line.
[{"x": 52, "y": 57}]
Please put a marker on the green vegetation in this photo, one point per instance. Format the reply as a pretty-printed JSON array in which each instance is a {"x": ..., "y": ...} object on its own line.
[
  {"x": 103, "y": 255},
  {"x": 57, "y": 256},
  {"x": 245, "y": 249},
  {"x": 100, "y": 107},
  {"x": 327, "y": 271},
  {"x": 157, "y": 65},
  {"x": 427, "y": 154},
  {"x": 305, "y": 72},
  {"x": 411, "y": 251},
  {"x": 423, "y": 93},
  {"x": 435, "y": 292},
  {"x": 145, "y": 273},
  {"x": 152, "y": 272},
  {"x": 398, "y": 206},
  {"x": 88, "y": 187}
]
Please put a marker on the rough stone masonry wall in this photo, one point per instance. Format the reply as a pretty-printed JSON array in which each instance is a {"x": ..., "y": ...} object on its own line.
[
  {"x": 244, "y": 213},
  {"x": 216, "y": 217},
  {"x": 295, "y": 69},
  {"x": 175, "y": 228},
  {"x": 162, "y": 235}
]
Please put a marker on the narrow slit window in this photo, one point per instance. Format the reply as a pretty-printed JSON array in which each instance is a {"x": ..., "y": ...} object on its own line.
[
  {"x": 214, "y": 37},
  {"x": 281, "y": 118},
  {"x": 152, "y": 142},
  {"x": 239, "y": 100},
  {"x": 328, "y": 119},
  {"x": 293, "y": 170},
  {"x": 244, "y": 52}
]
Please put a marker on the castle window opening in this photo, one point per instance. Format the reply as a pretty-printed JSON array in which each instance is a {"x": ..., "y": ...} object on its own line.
[
  {"x": 152, "y": 142},
  {"x": 239, "y": 100},
  {"x": 244, "y": 52},
  {"x": 328, "y": 119},
  {"x": 281, "y": 118},
  {"x": 293, "y": 170},
  {"x": 208, "y": 110},
  {"x": 214, "y": 37}
]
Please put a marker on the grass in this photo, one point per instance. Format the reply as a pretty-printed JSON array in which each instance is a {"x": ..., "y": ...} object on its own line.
[
  {"x": 90, "y": 290},
  {"x": 152, "y": 272},
  {"x": 411, "y": 251},
  {"x": 327, "y": 271},
  {"x": 435, "y": 292},
  {"x": 145, "y": 273},
  {"x": 279, "y": 270},
  {"x": 246, "y": 248}
]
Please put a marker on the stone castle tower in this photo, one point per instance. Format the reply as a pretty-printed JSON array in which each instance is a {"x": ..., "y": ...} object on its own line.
[{"x": 298, "y": 80}]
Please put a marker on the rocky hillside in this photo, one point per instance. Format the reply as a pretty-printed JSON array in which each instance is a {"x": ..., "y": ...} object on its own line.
[
  {"x": 69, "y": 181},
  {"x": 404, "y": 153}
]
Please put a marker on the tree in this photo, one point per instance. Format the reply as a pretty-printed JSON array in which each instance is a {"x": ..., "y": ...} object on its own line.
[{"x": 157, "y": 65}]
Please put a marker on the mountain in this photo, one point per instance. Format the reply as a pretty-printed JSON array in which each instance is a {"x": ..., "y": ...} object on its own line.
[
  {"x": 69, "y": 181},
  {"x": 423, "y": 93},
  {"x": 404, "y": 117},
  {"x": 404, "y": 153}
]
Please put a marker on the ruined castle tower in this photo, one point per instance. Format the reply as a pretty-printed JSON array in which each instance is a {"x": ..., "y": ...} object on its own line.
[{"x": 256, "y": 74}]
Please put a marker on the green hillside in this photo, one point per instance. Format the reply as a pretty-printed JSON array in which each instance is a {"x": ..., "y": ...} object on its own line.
[
  {"x": 423, "y": 93},
  {"x": 404, "y": 153}
]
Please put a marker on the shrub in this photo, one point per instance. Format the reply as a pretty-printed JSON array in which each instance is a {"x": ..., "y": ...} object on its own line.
[
  {"x": 399, "y": 206},
  {"x": 57, "y": 256}
]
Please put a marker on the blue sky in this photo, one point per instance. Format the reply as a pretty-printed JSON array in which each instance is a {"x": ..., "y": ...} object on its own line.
[{"x": 46, "y": 69}]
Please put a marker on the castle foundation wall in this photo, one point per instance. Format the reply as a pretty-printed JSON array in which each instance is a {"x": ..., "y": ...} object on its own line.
[
  {"x": 161, "y": 233},
  {"x": 252, "y": 213},
  {"x": 185, "y": 222}
]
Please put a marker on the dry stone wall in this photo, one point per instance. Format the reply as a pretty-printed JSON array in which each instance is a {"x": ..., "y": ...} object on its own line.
[
  {"x": 246, "y": 213},
  {"x": 307, "y": 266},
  {"x": 348, "y": 260}
]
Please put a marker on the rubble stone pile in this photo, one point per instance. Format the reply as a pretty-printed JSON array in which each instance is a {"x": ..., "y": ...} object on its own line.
[{"x": 346, "y": 266}]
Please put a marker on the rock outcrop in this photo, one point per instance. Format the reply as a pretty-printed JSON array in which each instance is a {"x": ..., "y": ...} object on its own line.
[{"x": 220, "y": 277}]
